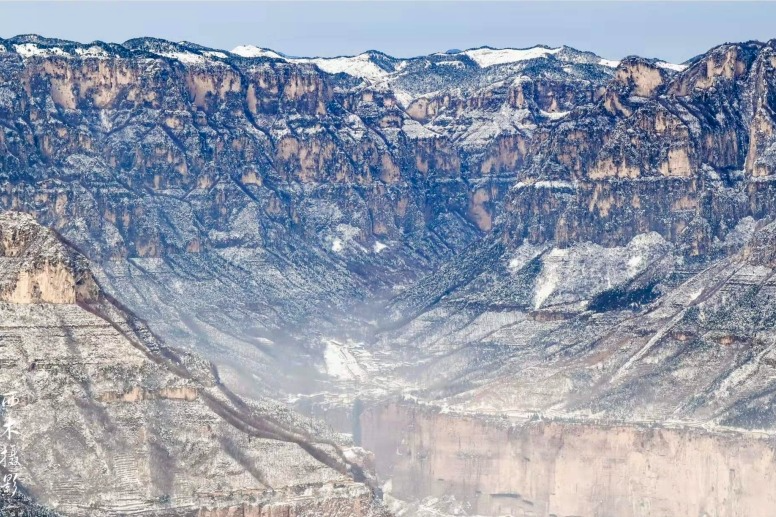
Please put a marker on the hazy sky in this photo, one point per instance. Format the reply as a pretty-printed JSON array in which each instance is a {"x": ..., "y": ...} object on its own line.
[{"x": 669, "y": 30}]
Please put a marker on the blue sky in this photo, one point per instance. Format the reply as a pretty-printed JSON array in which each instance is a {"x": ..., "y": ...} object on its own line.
[{"x": 674, "y": 31}]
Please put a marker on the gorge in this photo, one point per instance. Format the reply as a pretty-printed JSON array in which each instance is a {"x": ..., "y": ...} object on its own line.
[{"x": 480, "y": 282}]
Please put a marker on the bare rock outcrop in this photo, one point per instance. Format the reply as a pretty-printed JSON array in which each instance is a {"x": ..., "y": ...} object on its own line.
[{"x": 37, "y": 266}]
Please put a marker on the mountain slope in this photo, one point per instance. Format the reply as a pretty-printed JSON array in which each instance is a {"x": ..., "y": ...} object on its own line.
[{"x": 112, "y": 422}]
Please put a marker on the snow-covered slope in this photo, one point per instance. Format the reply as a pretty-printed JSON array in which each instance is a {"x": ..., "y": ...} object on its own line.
[
  {"x": 362, "y": 66},
  {"x": 486, "y": 56},
  {"x": 253, "y": 51}
]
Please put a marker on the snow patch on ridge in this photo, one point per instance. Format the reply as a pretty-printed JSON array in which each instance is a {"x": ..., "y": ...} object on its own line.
[
  {"x": 486, "y": 125},
  {"x": 486, "y": 57},
  {"x": 416, "y": 130},
  {"x": 344, "y": 236},
  {"x": 254, "y": 51},
  {"x": 550, "y": 276},
  {"x": 403, "y": 98},
  {"x": 189, "y": 58},
  {"x": 454, "y": 64},
  {"x": 93, "y": 51},
  {"x": 216, "y": 54},
  {"x": 358, "y": 66},
  {"x": 671, "y": 66},
  {"x": 27, "y": 50},
  {"x": 611, "y": 63}
]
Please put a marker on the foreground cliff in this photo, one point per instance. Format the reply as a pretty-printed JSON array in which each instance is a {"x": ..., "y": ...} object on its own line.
[
  {"x": 106, "y": 420},
  {"x": 492, "y": 467}
]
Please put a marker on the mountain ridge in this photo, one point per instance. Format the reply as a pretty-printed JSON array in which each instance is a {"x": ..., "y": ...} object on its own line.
[{"x": 247, "y": 49}]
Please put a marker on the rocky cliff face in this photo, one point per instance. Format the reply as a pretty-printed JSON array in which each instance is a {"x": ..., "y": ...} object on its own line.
[
  {"x": 278, "y": 190},
  {"x": 106, "y": 420},
  {"x": 537, "y": 233},
  {"x": 38, "y": 267},
  {"x": 493, "y": 467},
  {"x": 177, "y": 148},
  {"x": 685, "y": 155}
]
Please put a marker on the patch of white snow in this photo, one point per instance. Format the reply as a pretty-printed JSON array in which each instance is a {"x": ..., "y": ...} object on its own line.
[
  {"x": 609, "y": 62},
  {"x": 189, "y": 58},
  {"x": 403, "y": 98},
  {"x": 253, "y": 51},
  {"x": 454, "y": 64},
  {"x": 358, "y": 66},
  {"x": 548, "y": 184},
  {"x": 93, "y": 51},
  {"x": 486, "y": 57},
  {"x": 634, "y": 262},
  {"x": 340, "y": 362},
  {"x": 554, "y": 115},
  {"x": 414, "y": 129},
  {"x": 27, "y": 50},
  {"x": 216, "y": 54},
  {"x": 546, "y": 283},
  {"x": 671, "y": 66}
]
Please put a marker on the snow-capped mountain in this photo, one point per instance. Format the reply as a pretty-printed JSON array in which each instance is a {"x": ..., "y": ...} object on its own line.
[{"x": 491, "y": 234}]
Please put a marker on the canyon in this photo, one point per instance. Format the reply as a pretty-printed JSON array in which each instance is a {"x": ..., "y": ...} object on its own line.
[{"x": 481, "y": 282}]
